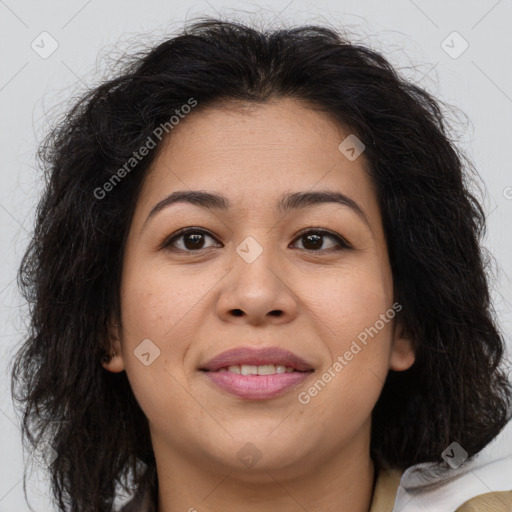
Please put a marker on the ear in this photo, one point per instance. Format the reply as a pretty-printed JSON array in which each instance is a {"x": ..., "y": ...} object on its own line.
[
  {"x": 402, "y": 355},
  {"x": 113, "y": 361}
]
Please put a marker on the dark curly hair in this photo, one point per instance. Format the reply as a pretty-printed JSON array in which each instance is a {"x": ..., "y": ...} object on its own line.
[{"x": 457, "y": 389}]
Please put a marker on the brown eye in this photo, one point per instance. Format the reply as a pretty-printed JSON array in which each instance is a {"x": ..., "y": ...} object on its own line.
[
  {"x": 313, "y": 240},
  {"x": 192, "y": 239}
]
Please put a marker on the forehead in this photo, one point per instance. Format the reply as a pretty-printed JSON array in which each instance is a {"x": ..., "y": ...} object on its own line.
[{"x": 253, "y": 153}]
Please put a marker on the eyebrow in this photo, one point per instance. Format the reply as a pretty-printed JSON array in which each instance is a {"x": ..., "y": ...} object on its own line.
[{"x": 288, "y": 202}]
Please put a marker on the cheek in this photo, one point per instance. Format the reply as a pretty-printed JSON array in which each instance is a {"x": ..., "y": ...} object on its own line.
[
  {"x": 348, "y": 301},
  {"x": 157, "y": 301},
  {"x": 161, "y": 310},
  {"x": 354, "y": 314}
]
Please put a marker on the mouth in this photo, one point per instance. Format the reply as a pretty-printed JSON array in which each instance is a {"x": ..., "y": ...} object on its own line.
[
  {"x": 256, "y": 374},
  {"x": 263, "y": 369},
  {"x": 265, "y": 359}
]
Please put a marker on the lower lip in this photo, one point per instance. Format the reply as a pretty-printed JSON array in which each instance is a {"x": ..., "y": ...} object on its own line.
[{"x": 256, "y": 387}]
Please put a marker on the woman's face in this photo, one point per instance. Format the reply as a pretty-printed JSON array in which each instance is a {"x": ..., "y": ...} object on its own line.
[{"x": 251, "y": 275}]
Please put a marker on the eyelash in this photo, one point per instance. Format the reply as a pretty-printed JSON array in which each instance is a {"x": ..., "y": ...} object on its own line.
[{"x": 342, "y": 243}]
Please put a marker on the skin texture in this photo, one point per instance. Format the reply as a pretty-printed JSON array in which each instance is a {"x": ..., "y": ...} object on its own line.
[{"x": 314, "y": 455}]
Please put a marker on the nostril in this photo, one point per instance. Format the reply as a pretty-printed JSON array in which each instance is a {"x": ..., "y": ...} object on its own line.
[{"x": 238, "y": 312}]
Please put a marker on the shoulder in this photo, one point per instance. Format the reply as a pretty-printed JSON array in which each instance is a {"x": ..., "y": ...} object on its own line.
[
  {"x": 489, "y": 502},
  {"x": 480, "y": 486},
  {"x": 417, "y": 489}
]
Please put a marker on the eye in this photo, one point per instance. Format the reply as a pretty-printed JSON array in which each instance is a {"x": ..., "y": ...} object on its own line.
[
  {"x": 314, "y": 240},
  {"x": 193, "y": 239}
]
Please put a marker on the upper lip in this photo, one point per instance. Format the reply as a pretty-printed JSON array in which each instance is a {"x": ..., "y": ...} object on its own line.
[{"x": 257, "y": 356}]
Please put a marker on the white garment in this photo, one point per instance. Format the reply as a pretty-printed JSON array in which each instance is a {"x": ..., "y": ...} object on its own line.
[{"x": 489, "y": 471}]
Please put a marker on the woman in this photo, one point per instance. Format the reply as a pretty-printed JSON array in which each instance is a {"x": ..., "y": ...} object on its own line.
[{"x": 257, "y": 284}]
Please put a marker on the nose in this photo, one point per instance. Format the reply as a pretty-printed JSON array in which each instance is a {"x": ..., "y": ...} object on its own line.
[{"x": 257, "y": 292}]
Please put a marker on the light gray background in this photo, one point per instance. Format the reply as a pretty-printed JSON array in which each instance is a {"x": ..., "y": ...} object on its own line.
[{"x": 410, "y": 33}]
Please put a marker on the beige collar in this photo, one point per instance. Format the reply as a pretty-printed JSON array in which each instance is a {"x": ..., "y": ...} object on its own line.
[{"x": 385, "y": 491}]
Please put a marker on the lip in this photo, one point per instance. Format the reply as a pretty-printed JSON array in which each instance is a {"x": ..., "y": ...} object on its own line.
[
  {"x": 257, "y": 356},
  {"x": 256, "y": 387}
]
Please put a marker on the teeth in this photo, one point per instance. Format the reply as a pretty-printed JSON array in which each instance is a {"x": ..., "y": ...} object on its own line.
[
  {"x": 246, "y": 369},
  {"x": 264, "y": 369}
]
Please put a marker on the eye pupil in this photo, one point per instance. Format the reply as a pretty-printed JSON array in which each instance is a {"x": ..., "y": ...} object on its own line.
[
  {"x": 197, "y": 243},
  {"x": 316, "y": 239}
]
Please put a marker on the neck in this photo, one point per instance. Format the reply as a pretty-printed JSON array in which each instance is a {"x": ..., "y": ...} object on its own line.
[{"x": 343, "y": 482}]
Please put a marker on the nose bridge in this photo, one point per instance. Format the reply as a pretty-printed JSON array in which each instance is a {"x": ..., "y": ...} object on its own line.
[
  {"x": 258, "y": 263},
  {"x": 258, "y": 240}
]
